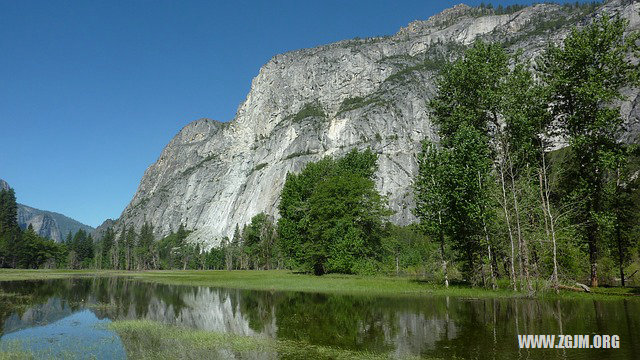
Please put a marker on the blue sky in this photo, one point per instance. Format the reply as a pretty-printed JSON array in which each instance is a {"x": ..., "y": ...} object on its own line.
[{"x": 91, "y": 91}]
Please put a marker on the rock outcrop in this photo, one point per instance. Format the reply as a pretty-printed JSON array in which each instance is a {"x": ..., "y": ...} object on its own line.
[
  {"x": 324, "y": 101},
  {"x": 4, "y": 185}
]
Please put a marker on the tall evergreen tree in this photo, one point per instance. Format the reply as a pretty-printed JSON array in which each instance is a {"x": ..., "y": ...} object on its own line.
[
  {"x": 107, "y": 249},
  {"x": 145, "y": 248},
  {"x": 129, "y": 245},
  {"x": 9, "y": 229}
]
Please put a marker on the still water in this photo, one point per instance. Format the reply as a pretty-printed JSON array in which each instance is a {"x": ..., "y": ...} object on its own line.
[{"x": 52, "y": 317}]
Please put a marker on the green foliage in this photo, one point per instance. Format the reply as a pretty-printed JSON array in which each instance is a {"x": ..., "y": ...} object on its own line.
[
  {"x": 9, "y": 230},
  {"x": 583, "y": 77},
  {"x": 260, "y": 166},
  {"x": 434, "y": 63},
  {"x": 173, "y": 251},
  {"x": 36, "y": 251},
  {"x": 313, "y": 109},
  {"x": 493, "y": 118},
  {"x": 106, "y": 248},
  {"x": 451, "y": 188},
  {"x": 82, "y": 247},
  {"x": 24, "y": 249},
  {"x": 255, "y": 247},
  {"x": 298, "y": 154},
  {"x": 331, "y": 215},
  {"x": 406, "y": 250},
  {"x": 468, "y": 89},
  {"x": 145, "y": 248},
  {"x": 489, "y": 9},
  {"x": 357, "y": 102}
]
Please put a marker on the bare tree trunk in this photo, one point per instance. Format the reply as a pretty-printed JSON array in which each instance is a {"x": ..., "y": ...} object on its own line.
[
  {"x": 524, "y": 251},
  {"x": 494, "y": 284},
  {"x": 441, "y": 238},
  {"x": 444, "y": 265},
  {"x": 506, "y": 215},
  {"x": 444, "y": 258},
  {"x": 593, "y": 255},
  {"x": 546, "y": 207},
  {"x": 619, "y": 236},
  {"x": 486, "y": 235}
]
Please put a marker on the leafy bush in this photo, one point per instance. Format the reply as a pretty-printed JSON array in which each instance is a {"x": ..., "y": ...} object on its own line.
[{"x": 308, "y": 110}]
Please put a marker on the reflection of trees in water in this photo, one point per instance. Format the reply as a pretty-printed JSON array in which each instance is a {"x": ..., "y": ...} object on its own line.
[
  {"x": 445, "y": 327},
  {"x": 489, "y": 328},
  {"x": 359, "y": 323}
]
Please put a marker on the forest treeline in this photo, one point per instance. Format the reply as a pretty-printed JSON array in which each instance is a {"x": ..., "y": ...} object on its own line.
[{"x": 529, "y": 185}]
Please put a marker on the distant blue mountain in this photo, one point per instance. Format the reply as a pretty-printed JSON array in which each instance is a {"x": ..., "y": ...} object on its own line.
[{"x": 48, "y": 224}]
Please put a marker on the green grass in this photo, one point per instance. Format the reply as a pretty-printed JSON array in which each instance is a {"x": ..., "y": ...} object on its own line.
[
  {"x": 16, "y": 350},
  {"x": 152, "y": 340},
  {"x": 281, "y": 280}
]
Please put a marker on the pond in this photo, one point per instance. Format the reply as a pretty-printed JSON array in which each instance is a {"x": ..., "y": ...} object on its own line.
[{"x": 52, "y": 317}]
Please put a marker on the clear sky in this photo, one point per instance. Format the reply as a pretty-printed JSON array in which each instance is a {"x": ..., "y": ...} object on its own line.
[{"x": 92, "y": 91}]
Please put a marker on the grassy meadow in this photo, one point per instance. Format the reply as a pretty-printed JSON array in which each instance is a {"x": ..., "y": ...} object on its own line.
[{"x": 284, "y": 280}]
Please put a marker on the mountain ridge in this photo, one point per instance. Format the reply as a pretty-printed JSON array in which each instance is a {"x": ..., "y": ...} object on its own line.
[{"x": 49, "y": 224}]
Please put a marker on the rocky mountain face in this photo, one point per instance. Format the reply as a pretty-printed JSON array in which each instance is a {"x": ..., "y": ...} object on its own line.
[
  {"x": 325, "y": 101},
  {"x": 43, "y": 224},
  {"x": 47, "y": 224}
]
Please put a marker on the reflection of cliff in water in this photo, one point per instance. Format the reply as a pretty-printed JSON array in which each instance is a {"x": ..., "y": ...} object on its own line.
[
  {"x": 208, "y": 309},
  {"x": 52, "y": 310},
  {"x": 417, "y": 334},
  {"x": 203, "y": 308}
]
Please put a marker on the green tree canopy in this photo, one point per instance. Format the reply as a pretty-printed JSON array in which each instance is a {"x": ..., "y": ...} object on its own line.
[{"x": 332, "y": 215}]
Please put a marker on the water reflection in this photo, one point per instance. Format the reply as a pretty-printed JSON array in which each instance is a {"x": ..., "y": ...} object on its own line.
[
  {"x": 437, "y": 326},
  {"x": 80, "y": 335}
]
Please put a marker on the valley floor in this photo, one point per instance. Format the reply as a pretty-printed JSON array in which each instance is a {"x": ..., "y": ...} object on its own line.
[{"x": 282, "y": 280}]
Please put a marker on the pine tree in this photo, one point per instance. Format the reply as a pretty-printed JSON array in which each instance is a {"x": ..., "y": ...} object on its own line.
[
  {"x": 107, "y": 249},
  {"x": 145, "y": 247},
  {"x": 129, "y": 244},
  {"x": 9, "y": 230}
]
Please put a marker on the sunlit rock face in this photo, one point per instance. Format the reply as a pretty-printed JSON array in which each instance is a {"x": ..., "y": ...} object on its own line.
[
  {"x": 46, "y": 226},
  {"x": 4, "y": 185},
  {"x": 306, "y": 104}
]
